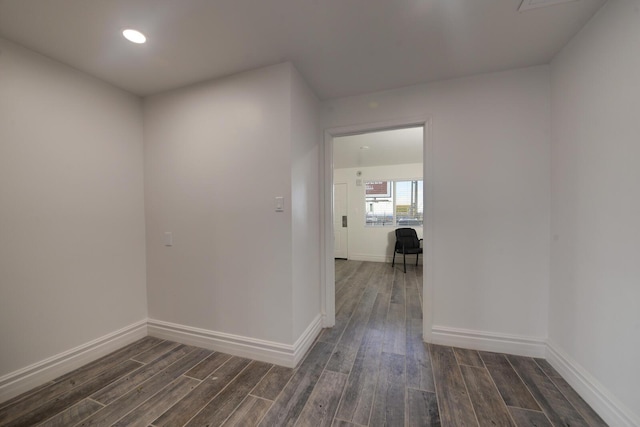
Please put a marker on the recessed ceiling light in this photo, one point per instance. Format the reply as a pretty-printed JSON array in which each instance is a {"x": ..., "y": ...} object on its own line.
[{"x": 134, "y": 36}]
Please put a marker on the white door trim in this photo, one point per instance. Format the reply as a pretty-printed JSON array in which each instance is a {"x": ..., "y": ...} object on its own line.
[
  {"x": 327, "y": 260},
  {"x": 344, "y": 246}
]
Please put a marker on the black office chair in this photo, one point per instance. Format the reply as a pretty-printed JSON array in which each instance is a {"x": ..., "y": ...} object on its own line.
[{"x": 407, "y": 242}]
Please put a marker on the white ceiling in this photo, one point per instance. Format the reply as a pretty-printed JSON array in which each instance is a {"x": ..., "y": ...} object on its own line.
[
  {"x": 389, "y": 147},
  {"x": 341, "y": 47}
]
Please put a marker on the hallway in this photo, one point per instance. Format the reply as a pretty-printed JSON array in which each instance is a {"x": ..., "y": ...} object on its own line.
[{"x": 371, "y": 369}]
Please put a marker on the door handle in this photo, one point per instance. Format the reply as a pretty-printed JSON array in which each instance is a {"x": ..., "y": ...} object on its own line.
[{"x": 344, "y": 221}]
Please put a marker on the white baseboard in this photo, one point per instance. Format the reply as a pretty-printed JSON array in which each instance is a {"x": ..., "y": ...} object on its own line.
[
  {"x": 306, "y": 340},
  {"x": 614, "y": 412},
  {"x": 369, "y": 257},
  {"x": 489, "y": 341},
  {"x": 411, "y": 259},
  {"x": 24, "y": 379},
  {"x": 237, "y": 345}
]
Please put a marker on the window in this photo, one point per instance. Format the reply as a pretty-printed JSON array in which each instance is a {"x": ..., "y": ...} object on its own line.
[{"x": 389, "y": 203}]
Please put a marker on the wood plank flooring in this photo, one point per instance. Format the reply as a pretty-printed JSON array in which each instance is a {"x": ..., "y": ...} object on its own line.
[{"x": 371, "y": 369}]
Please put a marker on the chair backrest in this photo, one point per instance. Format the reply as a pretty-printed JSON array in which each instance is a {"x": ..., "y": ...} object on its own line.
[{"x": 407, "y": 237}]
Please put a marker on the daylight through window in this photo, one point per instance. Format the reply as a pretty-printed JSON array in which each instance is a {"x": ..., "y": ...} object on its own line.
[{"x": 389, "y": 203}]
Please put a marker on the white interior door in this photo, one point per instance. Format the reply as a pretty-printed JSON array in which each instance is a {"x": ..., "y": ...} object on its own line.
[{"x": 340, "y": 225}]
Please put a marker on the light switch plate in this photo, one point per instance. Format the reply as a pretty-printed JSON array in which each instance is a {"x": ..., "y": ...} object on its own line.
[
  {"x": 279, "y": 204},
  {"x": 168, "y": 238}
]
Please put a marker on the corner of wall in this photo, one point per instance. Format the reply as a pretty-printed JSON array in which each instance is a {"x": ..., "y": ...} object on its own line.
[{"x": 609, "y": 407}]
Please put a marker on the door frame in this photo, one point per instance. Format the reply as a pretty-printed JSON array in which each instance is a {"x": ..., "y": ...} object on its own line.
[
  {"x": 346, "y": 201},
  {"x": 327, "y": 267}
]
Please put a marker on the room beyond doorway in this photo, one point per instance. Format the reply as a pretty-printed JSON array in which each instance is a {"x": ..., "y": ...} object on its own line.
[
  {"x": 358, "y": 217},
  {"x": 378, "y": 186}
]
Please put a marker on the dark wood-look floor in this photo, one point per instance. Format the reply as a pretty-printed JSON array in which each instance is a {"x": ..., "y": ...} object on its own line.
[{"x": 371, "y": 369}]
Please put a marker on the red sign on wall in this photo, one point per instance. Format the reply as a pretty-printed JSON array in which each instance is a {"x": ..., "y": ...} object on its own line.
[{"x": 377, "y": 188}]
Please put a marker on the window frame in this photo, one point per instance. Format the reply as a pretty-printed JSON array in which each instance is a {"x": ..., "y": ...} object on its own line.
[{"x": 392, "y": 183}]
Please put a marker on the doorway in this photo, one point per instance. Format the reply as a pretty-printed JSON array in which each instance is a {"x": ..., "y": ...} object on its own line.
[{"x": 332, "y": 219}]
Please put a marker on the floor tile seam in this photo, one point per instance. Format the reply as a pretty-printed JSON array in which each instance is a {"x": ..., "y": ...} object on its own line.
[
  {"x": 406, "y": 387},
  {"x": 69, "y": 407},
  {"x": 139, "y": 385},
  {"x": 295, "y": 370},
  {"x": 347, "y": 278},
  {"x": 149, "y": 349},
  {"x": 258, "y": 383},
  {"x": 31, "y": 409},
  {"x": 80, "y": 385},
  {"x": 495, "y": 385},
  {"x": 386, "y": 321},
  {"x": 455, "y": 355},
  {"x": 428, "y": 349},
  {"x": 25, "y": 395},
  {"x": 344, "y": 390},
  {"x": 344, "y": 386},
  {"x": 472, "y": 366},
  {"x": 94, "y": 401},
  {"x": 169, "y": 350},
  {"x": 467, "y": 390},
  {"x": 433, "y": 375},
  {"x": 347, "y": 421},
  {"x": 142, "y": 383},
  {"x": 497, "y": 390},
  {"x": 415, "y": 283},
  {"x": 375, "y": 394},
  {"x": 378, "y": 359},
  {"x": 245, "y": 397},
  {"x": 194, "y": 378},
  {"x": 68, "y": 376},
  {"x": 420, "y": 389},
  {"x": 212, "y": 372},
  {"x": 365, "y": 277},
  {"x": 260, "y": 397},
  {"x": 215, "y": 395},
  {"x": 358, "y": 288},
  {"x": 435, "y": 383},
  {"x": 145, "y": 401},
  {"x": 561, "y": 392},
  {"x": 324, "y": 369},
  {"x": 529, "y": 390},
  {"x": 544, "y": 371},
  {"x": 375, "y": 391},
  {"x": 365, "y": 322},
  {"x": 364, "y": 327},
  {"x": 526, "y": 409},
  {"x": 349, "y": 321},
  {"x": 391, "y": 351},
  {"x": 136, "y": 407},
  {"x": 272, "y": 402},
  {"x": 57, "y": 396}
]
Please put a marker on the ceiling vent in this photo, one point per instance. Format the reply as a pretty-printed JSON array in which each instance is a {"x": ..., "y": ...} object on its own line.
[{"x": 534, "y": 4}]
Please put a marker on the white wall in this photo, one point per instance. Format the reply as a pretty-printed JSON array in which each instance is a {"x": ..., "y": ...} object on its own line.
[
  {"x": 305, "y": 203},
  {"x": 216, "y": 156},
  {"x": 372, "y": 243},
  {"x": 490, "y": 138},
  {"x": 72, "y": 245},
  {"x": 595, "y": 268}
]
